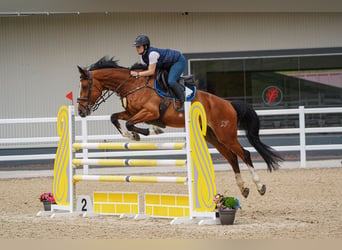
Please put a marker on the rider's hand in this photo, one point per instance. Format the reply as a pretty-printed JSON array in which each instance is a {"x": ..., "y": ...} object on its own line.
[{"x": 134, "y": 73}]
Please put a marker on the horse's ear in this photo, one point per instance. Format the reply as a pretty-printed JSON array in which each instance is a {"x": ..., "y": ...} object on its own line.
[
  {"x": 84, "y": 73},
  {"x": 81, "y": 70}
]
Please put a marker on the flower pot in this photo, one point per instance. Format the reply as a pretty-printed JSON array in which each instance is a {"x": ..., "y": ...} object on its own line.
[
  {"x": 227, "y": 216},
  {"x": 47, "y": 205}
]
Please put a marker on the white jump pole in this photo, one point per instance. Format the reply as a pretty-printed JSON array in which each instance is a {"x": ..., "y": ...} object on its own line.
[{"x": 187, "y": 106}]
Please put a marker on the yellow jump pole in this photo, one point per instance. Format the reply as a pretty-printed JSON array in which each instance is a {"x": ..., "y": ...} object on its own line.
[
  {"x": 139, "y": 179},
  {"x": 129, "y": 162},
  {"x": 130, "y": 146}
]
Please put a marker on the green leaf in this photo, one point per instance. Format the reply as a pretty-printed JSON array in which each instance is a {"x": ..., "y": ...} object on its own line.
[{"x": 230, "y": 202}]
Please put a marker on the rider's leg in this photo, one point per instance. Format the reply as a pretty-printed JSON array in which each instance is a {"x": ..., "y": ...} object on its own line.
[{"x": 175, "y": 71}]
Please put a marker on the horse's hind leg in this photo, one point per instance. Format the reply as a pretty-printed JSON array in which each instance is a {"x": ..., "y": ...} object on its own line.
[
  {"x": 246, "y": 157},
  {"x": 229, "y": 142},
  {"x": 231, "y": 158}
]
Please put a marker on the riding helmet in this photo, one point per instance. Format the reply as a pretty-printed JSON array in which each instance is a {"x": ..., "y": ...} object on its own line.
[{"x": 142, "y": 40}]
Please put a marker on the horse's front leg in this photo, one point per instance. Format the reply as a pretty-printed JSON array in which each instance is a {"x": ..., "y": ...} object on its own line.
[
  {"x": 143, "y": 115},
  {"x": 123, "y": 116}
]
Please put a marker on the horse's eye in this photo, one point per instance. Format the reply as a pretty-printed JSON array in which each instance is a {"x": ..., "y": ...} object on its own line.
[{"x": 84, "y": 86}]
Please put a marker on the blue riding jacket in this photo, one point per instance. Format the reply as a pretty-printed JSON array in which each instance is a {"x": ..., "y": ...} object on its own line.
[{"x": 166, "y": 59}]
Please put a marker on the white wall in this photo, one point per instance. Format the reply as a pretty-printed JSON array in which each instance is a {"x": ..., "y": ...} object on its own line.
[{"x": 39, "y": 54}]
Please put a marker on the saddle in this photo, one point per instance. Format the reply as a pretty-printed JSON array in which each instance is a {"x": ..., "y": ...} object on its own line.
[
  {"x": 162, "y": 89},
  {"x": 185, "y": 81}
]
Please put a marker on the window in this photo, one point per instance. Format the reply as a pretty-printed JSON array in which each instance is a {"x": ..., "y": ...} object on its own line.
[
  {"x": 275, "y": 80},
  {"x": 271, "y": 81}
]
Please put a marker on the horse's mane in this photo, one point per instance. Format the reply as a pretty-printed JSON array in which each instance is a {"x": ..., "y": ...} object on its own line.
[
  {"x": 109, "y": 62},
  {"x": 138, "y": 66},
  {"x": 105, "y": 62}
]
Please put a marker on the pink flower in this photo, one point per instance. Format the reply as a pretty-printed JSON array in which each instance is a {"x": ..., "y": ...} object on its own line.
[{"x": 48, "y": 196}]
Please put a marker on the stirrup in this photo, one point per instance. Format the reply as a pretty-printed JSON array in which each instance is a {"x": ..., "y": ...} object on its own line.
[{"x": 180, "y": 109}]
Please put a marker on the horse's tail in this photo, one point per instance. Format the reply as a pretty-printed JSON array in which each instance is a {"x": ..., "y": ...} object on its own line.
[{"x": 249, "y": 121}]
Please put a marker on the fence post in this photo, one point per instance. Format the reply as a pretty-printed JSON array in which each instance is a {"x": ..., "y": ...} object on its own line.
[
  {"x": 72, "y": 154},
  {"x": 187, "y": 106},
  {"x": 302, "y": 142},
  {"x": 84, "y": 133}
]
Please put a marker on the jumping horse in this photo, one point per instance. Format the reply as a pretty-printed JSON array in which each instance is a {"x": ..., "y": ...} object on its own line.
[{"x": 142, "y": 105}]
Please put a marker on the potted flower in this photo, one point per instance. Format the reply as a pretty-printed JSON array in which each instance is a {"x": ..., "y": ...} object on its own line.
[
  {"x": 226, "y": 206},
  {"x": 47, "y": 198}
]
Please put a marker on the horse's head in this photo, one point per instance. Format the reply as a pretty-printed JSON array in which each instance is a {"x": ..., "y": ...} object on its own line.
[{"x": 90, "y": 91}]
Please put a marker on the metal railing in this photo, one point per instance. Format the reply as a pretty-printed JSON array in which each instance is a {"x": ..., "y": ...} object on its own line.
[{"x": 302, "y": 131}]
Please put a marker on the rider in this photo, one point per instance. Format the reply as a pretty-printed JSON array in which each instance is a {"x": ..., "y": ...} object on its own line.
[{"x": 157, "y": 59}]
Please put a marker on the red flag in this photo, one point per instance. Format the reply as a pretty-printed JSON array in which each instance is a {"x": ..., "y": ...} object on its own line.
[{"x": 69, "y": 96}]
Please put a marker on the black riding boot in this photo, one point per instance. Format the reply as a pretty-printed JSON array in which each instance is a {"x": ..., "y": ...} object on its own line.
[{"x": 179, "y": 92}]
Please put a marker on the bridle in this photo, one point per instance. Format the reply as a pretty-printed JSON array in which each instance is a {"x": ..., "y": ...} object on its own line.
[
  {"x": 105, "y": 94},
  {"x": 99, "y": 100}
]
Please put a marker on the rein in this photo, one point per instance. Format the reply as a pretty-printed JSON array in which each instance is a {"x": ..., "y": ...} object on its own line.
[
  {"x": 106, "y": 94},
  {"x": 103, "y": 98},
  {"x": 137, "y": 89}
]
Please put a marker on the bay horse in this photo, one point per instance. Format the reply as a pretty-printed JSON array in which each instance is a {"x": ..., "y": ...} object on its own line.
[{"x": 142, "y": 103}]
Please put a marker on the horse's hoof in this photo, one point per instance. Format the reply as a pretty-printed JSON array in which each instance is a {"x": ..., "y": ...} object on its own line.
[
  {"x": 262, "y": 190},
  {"x": 136, "y": 136},
  {"x": 157, "y": 131},
  {"x": 127, "y": 135},
  {"x": 245, "y": 192},
  {"x": 131, "y": 135}
]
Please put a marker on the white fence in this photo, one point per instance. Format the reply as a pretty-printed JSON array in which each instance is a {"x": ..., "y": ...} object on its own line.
[{"x": 301, "y": 130}]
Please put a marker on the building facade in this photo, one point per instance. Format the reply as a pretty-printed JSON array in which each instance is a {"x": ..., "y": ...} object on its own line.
[{"x": 272, "y": 60}]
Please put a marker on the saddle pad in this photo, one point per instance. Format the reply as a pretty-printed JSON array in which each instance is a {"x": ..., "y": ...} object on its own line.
[{"x": 190, "y": 92}]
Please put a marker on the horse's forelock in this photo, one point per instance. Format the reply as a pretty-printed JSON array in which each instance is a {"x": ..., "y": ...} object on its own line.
[{"x": 84, "y": 77}]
